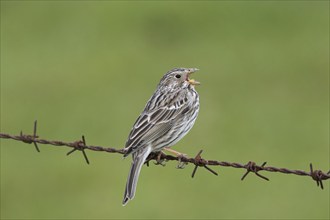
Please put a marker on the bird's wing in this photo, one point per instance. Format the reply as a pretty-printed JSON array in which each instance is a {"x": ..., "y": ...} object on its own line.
[{"x": 153, "y": 124}]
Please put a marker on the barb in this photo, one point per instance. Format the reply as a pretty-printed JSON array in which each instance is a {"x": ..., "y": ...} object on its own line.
[
  {"x": 80, "y": 145},
  {"x": 317, "y": 175},
  {"x": 200, "y": 162},
  {"x": 31, "y": 138},
  {"x": 251, "y": 167}
]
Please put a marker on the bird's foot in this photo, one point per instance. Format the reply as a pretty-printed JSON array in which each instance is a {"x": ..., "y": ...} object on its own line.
[
  {"x": 159, "y": 160},
  {"x": 181, "y": 163}
]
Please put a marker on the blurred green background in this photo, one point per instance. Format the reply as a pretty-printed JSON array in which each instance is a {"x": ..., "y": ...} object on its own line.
[{"x": 84, "y": 67}]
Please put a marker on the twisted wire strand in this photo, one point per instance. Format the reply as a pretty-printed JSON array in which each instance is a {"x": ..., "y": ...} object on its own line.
[{"x": 317, "y": 175}]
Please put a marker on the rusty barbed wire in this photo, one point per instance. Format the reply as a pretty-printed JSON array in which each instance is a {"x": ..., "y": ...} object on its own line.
[{"x": 251, "y": 167}]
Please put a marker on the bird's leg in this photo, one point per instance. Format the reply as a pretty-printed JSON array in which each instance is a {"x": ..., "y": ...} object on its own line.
[
  {"x": 180, "y": 155},
  {"x": 160, "y": 161},
  {"x": 176, "y": 153}
]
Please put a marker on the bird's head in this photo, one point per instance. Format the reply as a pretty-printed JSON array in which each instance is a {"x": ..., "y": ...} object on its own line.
[{"x": 178, "y": 78}]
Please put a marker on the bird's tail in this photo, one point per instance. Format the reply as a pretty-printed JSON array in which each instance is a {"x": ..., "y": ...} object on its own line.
[{"x": 139, "y": 158}]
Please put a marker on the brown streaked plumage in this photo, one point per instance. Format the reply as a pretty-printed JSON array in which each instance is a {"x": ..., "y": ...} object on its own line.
[{"x": 168, "y": 116}]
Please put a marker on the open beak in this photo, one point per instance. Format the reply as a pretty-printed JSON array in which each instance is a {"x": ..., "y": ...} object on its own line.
[{"x": 192, "y": 81}]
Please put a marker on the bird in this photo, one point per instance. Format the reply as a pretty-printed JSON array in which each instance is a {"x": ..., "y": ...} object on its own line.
[{"x": 167, "y": 117}]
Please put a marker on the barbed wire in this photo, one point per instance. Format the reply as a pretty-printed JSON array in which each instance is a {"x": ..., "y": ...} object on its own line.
[{"x": 251, "y": 167}]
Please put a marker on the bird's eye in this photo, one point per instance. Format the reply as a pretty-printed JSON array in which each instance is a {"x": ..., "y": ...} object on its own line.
[{"x": 178, "y": 76}]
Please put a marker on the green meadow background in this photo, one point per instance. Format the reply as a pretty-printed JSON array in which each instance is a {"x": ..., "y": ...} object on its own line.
[{"x": 88, "y": 68}]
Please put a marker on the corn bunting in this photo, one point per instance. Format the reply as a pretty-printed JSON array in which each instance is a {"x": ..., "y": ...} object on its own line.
[{"x": 168, "y": 116}]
